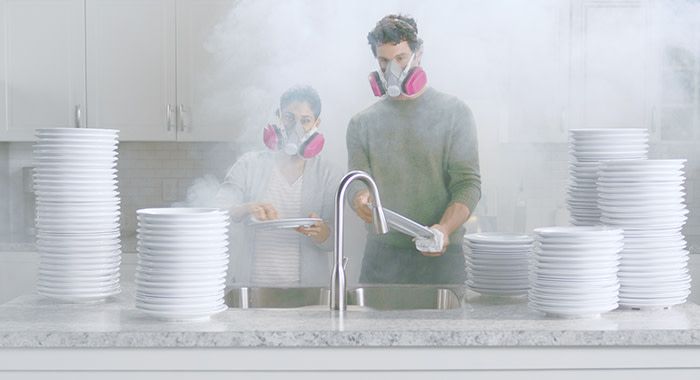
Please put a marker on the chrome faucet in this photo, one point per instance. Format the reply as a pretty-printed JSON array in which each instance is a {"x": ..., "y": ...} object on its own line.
[{"x": 338, "y": 281}]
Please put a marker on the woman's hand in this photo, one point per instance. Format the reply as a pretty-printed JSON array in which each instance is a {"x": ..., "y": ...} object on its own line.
[
  {"x": 259, "y": 211},
  {"x": 318, "y": 232}
]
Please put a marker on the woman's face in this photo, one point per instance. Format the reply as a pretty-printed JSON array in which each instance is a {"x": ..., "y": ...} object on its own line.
[{"x": 299, "y": 112}]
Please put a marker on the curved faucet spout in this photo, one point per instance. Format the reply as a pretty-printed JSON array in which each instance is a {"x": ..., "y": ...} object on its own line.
[{"x": 338, "y": 281}]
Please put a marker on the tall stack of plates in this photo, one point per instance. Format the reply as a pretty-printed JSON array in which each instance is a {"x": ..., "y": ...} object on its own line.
[
  {"x": 497, "y": 263},
  {"x": 574, "y": 271},
  {"x": 77, "y": 213},
  {"x": 646, "y": 199},
  {"x": 588, "y": 147},
  {"x": 182, "y": 262}
]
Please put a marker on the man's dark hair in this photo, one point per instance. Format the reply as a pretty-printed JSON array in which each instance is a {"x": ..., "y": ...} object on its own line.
[
  {"x": 302, "y": 93},
  {"x": 394, "y": 29}
]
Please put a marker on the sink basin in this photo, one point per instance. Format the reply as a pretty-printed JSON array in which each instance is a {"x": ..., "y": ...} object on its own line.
[
  {"x": 377, "y": 297},
  {"x": 276, "y": 298},
  {"x": 405, "y": 297}
]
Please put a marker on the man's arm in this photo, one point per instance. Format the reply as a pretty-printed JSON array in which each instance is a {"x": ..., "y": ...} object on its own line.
[
  {"x": 358, "y": 159},
  {"x": 464, "y": 183}
]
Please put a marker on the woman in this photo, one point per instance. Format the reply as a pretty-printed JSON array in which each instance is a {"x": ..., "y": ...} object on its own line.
[{"x": 288, "y": 180}]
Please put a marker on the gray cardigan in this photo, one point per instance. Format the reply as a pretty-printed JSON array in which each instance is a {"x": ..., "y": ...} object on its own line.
[{"x": 247, "y": 181}]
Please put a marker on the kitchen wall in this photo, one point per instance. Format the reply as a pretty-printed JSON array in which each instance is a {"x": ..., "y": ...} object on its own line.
[{"x": 518, "y": 195}]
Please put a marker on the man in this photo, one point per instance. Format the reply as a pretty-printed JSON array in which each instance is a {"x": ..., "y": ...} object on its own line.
[{"x": 420, "y": 146}]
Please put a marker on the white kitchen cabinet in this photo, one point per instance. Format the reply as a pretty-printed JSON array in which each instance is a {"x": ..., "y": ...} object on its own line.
[
  {"x": 42, "y": 66},
  {"x": 149, "y": 71},
  {"x": 201, "y": 96},
  {"x": 612, "y": 73},
  {"x": 131, "y": 78},
  {"x": 537, "y": 75}
]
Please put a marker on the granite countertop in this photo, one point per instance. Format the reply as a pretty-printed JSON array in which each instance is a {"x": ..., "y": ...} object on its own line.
[{"x": 32, "y": 321}]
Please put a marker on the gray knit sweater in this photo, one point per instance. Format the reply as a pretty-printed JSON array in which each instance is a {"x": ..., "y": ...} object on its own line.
[
  {"x": 247, "y": 181},
  {"x": 422, "y": 153}
]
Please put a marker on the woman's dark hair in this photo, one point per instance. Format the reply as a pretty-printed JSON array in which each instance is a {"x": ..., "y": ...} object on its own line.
[
  {"x": 394, "y": 29},
  {"x": 302, "y": 93}
]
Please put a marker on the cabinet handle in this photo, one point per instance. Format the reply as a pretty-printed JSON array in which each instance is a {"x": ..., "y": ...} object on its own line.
[
  {"x": 78, "y": 116},
  {"x": 169, "y": 117},
  {"x": 181, "y": 117}
]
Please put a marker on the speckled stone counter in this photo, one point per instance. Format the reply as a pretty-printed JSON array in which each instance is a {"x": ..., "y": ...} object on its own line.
[{"x": 34, "y": 321}]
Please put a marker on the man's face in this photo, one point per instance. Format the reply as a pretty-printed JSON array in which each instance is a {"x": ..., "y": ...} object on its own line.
[{"x": 400, "y": 52}]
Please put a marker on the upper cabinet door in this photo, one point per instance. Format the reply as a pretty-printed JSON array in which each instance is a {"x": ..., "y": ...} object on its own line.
[
  {"x": 613, "y": 68},
  {"x": 131, "y": 68},
  {"x": 201, "y": 69},
  {"x": 42, "y": 66}
]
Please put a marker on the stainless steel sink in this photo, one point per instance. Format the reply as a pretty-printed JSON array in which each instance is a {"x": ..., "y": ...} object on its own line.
[
  {"x": 405, "y": 297},
  {"x": 377, "y": 297},
  {"x": 276, "y": 298}
]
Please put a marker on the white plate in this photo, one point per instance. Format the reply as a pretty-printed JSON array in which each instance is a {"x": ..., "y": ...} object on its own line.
[
  {"x": 212, "y": 305},
  {"x": 181, "y": 214},
  {"x": 149, "y": 233},
  {"x": 180, "y": 263},
  {"x": 283, "y": 223},
  {"x": 80, "y": 189},
  {"x": 192, "y": 227},
  {"x": 577, "y": 231},
  {"x": 571, "y": 291},
  {"x": 203, "y": 240},
  {"x": 575, "y": 246},
  {"x": 180, "y": 248},
  {"x": 568, "y": 299},
  {"x": 163, "y": 292},
  {"x": 154, "y": 300},
  {"x": 201, "y": 284},
  {"x": 75, "y": 286},
  {"x": 576, "y": 265},
  {"x": 72, "y": 266},
  {"x": 500, "y": 238},
  {"x": 79, "y": 242},
  {"x": 670, "y": 207},
  {"x": 87, "y": 297},
  {"x": 656, "y": 277},
  {"x": 577, "y": 313},
  {"x": 185, "y": 316},
  {"x": 74, "y": 174},
  {"x": 160, "y": 278},
  {"x": 498, "y": 292},
  {"x": 183, "y": 270}
]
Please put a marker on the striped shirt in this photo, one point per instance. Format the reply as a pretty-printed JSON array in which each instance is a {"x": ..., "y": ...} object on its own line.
[{"x": 277, "y": 252}]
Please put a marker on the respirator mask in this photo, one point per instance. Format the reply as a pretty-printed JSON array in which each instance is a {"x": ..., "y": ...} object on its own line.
[{"x": 293, "y": 140}]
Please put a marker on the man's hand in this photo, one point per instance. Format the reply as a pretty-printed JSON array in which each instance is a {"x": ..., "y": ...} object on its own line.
[
  {"x": 445, "y": 241},
  {"x": 361, "y": 205},
  {"x": 318, "y": 231}
]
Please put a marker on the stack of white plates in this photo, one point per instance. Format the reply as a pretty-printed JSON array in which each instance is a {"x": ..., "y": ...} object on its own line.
[
  {"x": 77, "y": 213},
  {"x": 646, "y": 199},
  {"x": 574, "y": 271},
  {"x": 182, "y": 262},
  {"x": 588, "y": 147},
  {"x": 497, "y": 263}
]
